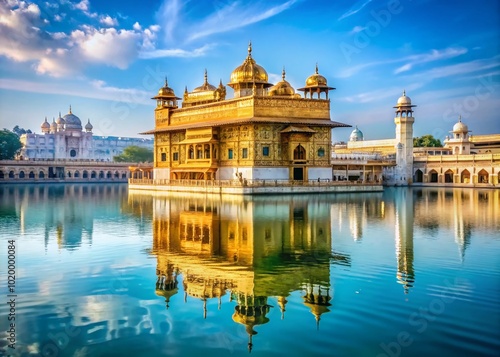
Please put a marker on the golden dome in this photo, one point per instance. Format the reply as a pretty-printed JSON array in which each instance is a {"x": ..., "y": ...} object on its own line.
[
  {"x": 249, "y": 71},
  {"x": 205, "y": 86},
  {"x": 282, "y": 88},
  {"x": 166, "y": 91},
  {"x": 60, "y": 120},
  {"x": 45, "y": 124},
  {"x": 316, "y": 79}
]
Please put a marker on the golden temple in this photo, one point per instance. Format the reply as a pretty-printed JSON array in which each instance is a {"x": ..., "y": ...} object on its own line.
[{"x": 266, "y": 132}]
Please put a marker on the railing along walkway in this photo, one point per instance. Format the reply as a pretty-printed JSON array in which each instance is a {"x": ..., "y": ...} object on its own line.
[{"x": 246, "y": 183}]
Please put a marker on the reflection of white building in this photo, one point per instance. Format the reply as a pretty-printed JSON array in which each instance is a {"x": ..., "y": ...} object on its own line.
[{"x": 65, "y": 138}]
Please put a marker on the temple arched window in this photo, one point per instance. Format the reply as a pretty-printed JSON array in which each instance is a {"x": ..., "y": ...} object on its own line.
[{"x": 299, "y": 153}]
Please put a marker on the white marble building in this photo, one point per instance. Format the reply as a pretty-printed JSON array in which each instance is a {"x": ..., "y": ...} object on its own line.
[{"x": 65, "y": 138}]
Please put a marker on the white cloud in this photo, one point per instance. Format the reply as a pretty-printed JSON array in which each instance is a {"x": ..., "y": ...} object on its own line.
[
  {"x": 433, "y": 55},
  {"x": 355, "y": 9},
  {"x": 225, "y": 17},
  {"x": 235, "y": 15},
  {"x": 108, "y": 21},
  {"x": 82, "y": 5},
  {"x": 94, "y": 89},
  {"x": 357, "y": 29},
  {"x": 137, "y": 26},
  {"x": 176, "y": 52},
  {"x": 381, "y": 93},
  {"x": 113, "y": 47},
  {"x": 59, "y": 54},
  {"x": 461, "y": 68}
]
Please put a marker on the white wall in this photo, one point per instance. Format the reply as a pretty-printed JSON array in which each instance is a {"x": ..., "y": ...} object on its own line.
[
  {"x": 319, "y": 172},
  {"x": 161, "y": 173},
  {"x": 249, "y": 173}
]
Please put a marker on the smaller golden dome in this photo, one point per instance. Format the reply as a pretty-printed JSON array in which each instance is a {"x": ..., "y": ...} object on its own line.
[
  {"x": 166, "y": 91},
  {"x": 282, "y": 88},
  {"x": 316, "y": 79},
  {"x": 60, "y": 120},
  {"x": 205, "y": 86},
  {"x": 249, "y": 71},
  {"x": 45, "y": 124}
]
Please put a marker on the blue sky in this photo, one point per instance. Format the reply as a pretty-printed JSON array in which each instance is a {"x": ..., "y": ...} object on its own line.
[{"x": 108, "y": 58}]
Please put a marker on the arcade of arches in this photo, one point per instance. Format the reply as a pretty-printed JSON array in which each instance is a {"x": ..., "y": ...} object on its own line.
[
  {"x": 36, "y": 171},
  {"x": 461, "y": 175}
]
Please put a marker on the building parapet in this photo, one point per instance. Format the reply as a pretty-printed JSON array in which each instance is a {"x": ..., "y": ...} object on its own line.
[
  {"x": 247, "y": 108},
  {"x": 458, "y": 158}
]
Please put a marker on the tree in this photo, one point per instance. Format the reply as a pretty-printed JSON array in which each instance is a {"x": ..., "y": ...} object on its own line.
[
  {"x": 426, "y": 141},
  {"x": 9, "y": 144},
  {"x": 135, "y": 154}
]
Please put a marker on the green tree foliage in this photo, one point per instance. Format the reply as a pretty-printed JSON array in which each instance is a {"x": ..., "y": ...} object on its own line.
[
  {"x": 20, "y": 131},
  {"x": 135, "y": 154},
  {"x": 426, "y": 141},
  {"x": 9, "y": 144}
]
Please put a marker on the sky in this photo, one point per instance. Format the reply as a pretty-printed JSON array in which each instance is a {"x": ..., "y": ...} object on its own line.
[{"x": 108, "y": 58}]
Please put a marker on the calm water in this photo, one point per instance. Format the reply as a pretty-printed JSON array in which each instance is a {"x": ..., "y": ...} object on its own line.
[{"x": 106, "y": 272}]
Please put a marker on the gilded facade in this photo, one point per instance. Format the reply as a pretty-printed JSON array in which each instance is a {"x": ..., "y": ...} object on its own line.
[{"x": 264, "y": 132}]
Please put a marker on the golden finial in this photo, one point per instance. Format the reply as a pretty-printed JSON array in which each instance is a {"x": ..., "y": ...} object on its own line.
[
  {"x": 186, "y": 89},
  {"x": 69, "y": 110},
  {"x": 283, "y": 73},
  {"x": 250, "y": 49},
  {"x": 316, "y": 68},
  {"x": 166, "y": 81},
  {"x": 206, "y": 77},
  {"x": 220, "y": 83}
]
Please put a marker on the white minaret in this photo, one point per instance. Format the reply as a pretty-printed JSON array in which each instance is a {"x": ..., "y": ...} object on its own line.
[{"x": 404, "y": 141}]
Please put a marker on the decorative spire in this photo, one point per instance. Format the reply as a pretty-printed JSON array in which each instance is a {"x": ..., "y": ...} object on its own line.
[
  {"x": 69, "y": 109},
  {"x": 186, "y": 89},
  {"x": 206, "y": 77},
  {"x": 220, "y": 83},
  {"x": 166, "y": 81},
  {"x": 250, "y": 49},
  {"x": 404, "y": 92},
  {"x": 283, "y": 73},
  {"x": 316, "y": 68},
  {"x": 46, "y": 119},
  {"x": 460, "y": 118},
  {"x": 60, "y": 114}
]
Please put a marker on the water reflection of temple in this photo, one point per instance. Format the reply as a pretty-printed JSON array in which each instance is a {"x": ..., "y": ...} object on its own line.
[
  {"x": 462, "y": 210},
  {"x": 251, "y": 250},
  {"x": 67, "y": 211}
]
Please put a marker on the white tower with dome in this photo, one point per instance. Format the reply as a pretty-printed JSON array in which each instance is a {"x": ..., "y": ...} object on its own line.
[
  {"x": 404, "y": 120},
  {"x": 459, "y": 141}
]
